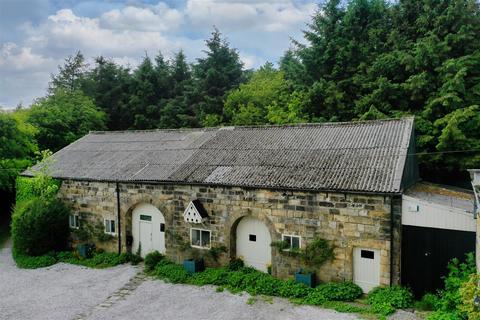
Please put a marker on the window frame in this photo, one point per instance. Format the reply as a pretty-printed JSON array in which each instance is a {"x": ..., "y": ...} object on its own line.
[
  {"x": 76, "y": 221},
  {"x": 209, "y": 239},
  {"x": 292, "y": 236},
  {"x": 110, "y": 220}
]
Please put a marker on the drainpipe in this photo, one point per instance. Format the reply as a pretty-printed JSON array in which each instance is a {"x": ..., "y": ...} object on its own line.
[
  {"x": 117, "y": 189},
  {"x": 391, "y": 241}
]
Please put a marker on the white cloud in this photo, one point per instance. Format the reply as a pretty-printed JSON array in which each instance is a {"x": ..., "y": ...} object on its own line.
[
  {"x": 158, "y": 18},
  {"x": 261, "y": 30},
  {"x": 14, "y": 58},
  {"x": 268, "y": 16}
]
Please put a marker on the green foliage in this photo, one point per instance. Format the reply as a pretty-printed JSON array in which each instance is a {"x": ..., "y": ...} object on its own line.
[
  {"x": 235, "y": 264},
  {"x": 97, "y": 260},
  {"x": 171, "y": 272},
  {"x": 215, "y": 252},
  {"x": 468, "y": 292},
  {"x": 34, "y": 262},
  {"x": 429, "y": 302},
  {"x": 152, "y": 259},
  {"x": 385, "y": 300},
  {"x": 314, "y": 255},
  {"x": 442, "y": 315},
  {"x": 334, "y": 291},
  {"x": 17, "y": 148},
  {"x": 64, "y": 117},
  {"x": 215, "y": 276},
  {"x": 450, "y": 302},
  {"x": 40, "y": 225}
]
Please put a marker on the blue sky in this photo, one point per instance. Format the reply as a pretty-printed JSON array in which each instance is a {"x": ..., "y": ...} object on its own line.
[{"x": 36, "y": 35}]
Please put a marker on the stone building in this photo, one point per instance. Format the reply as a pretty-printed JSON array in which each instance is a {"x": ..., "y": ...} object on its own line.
[{"x": 245, "y": 187}]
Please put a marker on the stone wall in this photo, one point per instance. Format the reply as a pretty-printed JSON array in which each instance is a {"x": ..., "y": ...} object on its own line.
[{"x": 347, "y": 220}]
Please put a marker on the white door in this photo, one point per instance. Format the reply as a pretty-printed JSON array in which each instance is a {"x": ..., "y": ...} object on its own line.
[
  {"x": 148, "y": 229},
  {"x": 145, "y": 234},
  {"x": 253, "y": 243},
  {"x": 366, "y": 268}
]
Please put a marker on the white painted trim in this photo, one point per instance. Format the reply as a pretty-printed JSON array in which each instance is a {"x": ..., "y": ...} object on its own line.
[
  {"x": 77, "y": 216},
  {"x": 293, "y": 236},
  {"x": 200, "y": 247},
  {"x": 105, "y": 226}
]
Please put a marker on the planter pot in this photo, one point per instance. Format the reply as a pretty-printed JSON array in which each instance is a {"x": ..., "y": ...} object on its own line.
[
  {"x": 85, "y": 250},
  {"x": 307, "y": 278},
  {"x": 192, "y": 265}
]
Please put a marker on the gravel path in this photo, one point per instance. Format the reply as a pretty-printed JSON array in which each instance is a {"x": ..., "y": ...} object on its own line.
[
  {"x": 57, "y": 292},
  {"x": 69, "y": 292},
  {"x": 155, "y": 299}
]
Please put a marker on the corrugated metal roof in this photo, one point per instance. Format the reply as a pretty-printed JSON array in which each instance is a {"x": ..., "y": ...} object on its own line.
[
  {"x": 449, "y": 196},
  {"x": 366, "y": 156}
]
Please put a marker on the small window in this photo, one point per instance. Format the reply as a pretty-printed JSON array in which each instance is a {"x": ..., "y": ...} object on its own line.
[
  {"x": 144, "y": 217},
  {"x": 252, "y": 237},
  {"x": 74, "y": 221},
  {"x": 162, "y": 227},
  {"x": 292, "y": 241},
  {"x": 367, "y": 254},
  {"x": 200, "y": 238},
  {"x": 109, "y": 226}
]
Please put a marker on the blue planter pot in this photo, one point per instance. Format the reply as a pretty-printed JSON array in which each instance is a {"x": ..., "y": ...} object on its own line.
[
  {"x": 307, "y": 278},
  {"x": 85, "y": 250},
  {"x": 192, "y": 265}
]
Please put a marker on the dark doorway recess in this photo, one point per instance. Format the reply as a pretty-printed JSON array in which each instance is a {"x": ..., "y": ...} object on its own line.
[{"x": 426, "y": 253}]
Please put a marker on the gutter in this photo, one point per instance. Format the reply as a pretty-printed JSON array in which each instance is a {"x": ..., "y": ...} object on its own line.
[{"x": 117, "y": 190}]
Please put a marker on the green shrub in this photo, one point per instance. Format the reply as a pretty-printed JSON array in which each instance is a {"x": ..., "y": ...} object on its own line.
[
  {"x": 171, "y": 272},
  {"x": 429, "y": 302},
  {"x": 314, "y": 297},
  {"x": 235, "y": 264},
  {"x": 340, "y": 291},
  {"x": 443, "y": 315},
  {"x": 345, "y": 307},
  {"x": 210, "y": 276},
  {"x": 383, "y": 308},
  {"x": 152, "y": 259},
  {"x": 29, "y": 262},
  {"x": 459, "y": 273},
  {"x": 39, "y": 226},
  {"x": 385, "y": 300},
  {"x": 292, "y": 289},
  {"x": 468, "y": 291}
]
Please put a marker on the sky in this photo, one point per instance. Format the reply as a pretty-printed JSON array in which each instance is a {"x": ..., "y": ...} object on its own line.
[{"x": 37, "y": 35}]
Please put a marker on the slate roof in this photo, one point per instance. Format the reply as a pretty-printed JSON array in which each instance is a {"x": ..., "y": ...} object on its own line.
[{"x": 364, "y": 156}]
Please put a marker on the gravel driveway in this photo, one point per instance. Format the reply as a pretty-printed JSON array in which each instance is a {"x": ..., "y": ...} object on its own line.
[{"x": 66, "y": 291}]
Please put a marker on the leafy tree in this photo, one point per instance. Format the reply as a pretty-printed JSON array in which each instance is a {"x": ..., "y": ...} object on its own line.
[
  {"x": 177, "y": 112},
  {"x": 70, "y": 75},
  {"x": 109, "y": 85},
  {"x": 216, "y": 74},
  {"x": 64, "y": 117},
  {"x": 17, "y": 148}
]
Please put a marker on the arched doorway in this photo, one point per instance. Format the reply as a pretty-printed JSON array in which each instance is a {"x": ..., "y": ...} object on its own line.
[
  {"x": 253, "y": 243},
  {"x": 148, "y": 229}
]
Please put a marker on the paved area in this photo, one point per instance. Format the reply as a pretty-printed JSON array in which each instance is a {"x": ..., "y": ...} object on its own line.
[{"x": 66, "y": 292}]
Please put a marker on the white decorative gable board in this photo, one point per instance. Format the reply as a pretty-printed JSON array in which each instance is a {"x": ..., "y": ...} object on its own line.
[{"x": 194, "y": 213}]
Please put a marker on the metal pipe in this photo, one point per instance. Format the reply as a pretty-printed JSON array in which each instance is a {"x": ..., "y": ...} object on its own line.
[
  {"x": 119, "y": 226},
  {"x": 391, "y": 241}
]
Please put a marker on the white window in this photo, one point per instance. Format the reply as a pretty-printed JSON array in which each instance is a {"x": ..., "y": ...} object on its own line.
[
  {"x": 74, "y": 221},
  {"x": 200, "y": 238},
  {"x": 292, "y": 241},
  {"x": 109, "y": 226}
]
